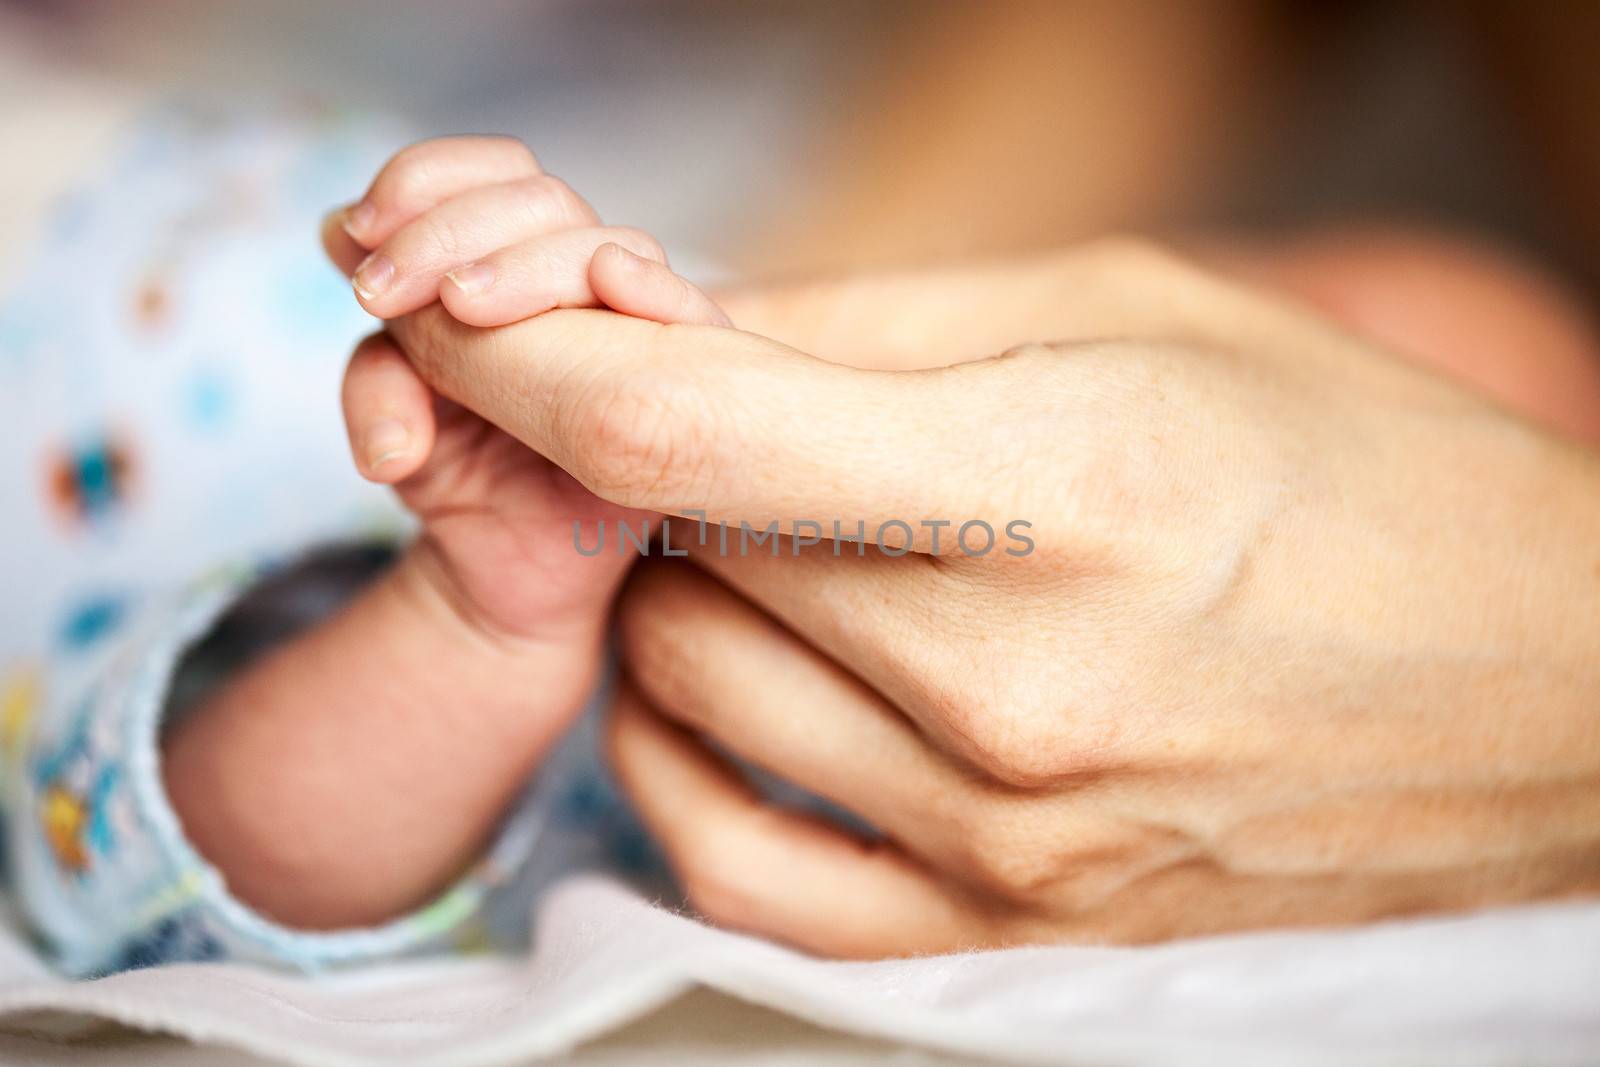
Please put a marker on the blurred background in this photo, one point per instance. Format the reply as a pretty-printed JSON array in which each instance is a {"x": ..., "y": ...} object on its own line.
[{"x": 786, "y": 138}]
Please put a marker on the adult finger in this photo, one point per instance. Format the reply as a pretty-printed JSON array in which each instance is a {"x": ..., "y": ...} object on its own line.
[
  {"x": 711, "y": 661},
  {"x": 701, "y": 420},
  {"x": 747, "y": 865},
  {"x": 533, "y": 276},
  {"x": 388, "y": 412},
  {"x": 426, "y": 174},
  {"x": 862, "y": 612},
  {"x": 403, "y": 273}
]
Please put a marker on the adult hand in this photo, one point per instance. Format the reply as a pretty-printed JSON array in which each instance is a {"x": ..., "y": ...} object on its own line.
[{"x": 1307, "y": 635}]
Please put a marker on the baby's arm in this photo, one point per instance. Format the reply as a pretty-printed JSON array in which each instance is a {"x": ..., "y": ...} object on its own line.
[{"x": 351, "y": 774}]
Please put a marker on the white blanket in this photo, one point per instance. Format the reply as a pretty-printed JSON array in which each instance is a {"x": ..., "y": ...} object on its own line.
[{"x": 1514, "y": 986}]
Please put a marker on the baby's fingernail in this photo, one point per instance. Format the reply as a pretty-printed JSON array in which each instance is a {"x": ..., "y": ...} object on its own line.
[
  {"x": 473, "y": 278},
  {"x": 386, "y": 440},
  {"x": 357, "y": 219},
  {"x": 373, "y": 276}
]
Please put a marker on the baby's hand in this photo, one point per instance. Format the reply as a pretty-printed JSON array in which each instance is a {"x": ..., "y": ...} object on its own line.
[{"x": 474, "y": 223}]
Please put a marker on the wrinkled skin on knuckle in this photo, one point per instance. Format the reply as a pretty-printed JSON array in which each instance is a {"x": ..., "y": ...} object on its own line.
[
  {"x": 1013, "y": 749},
  {"x": 646, "y": 439},
  {"x": 1036, "y": 725},
  {"x": 1005, "y": 742}
]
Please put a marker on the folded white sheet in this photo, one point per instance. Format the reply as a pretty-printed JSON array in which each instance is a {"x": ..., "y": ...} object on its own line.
[{"x": 1513, "y": 986}]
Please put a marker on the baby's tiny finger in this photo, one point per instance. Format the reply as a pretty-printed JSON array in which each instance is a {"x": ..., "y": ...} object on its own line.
[
  {"x": 403, "y": 273},
  {"x": 648, "y": 289},
  {"x": 388, "y": 412},
  {"x": 425, "y": 175},
  {"x": 536, "y": 275}
]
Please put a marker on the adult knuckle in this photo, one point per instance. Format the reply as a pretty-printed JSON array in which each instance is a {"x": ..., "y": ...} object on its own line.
[
  {"x": 999, "y": 744},
  {"x": 975, "y": 710},
  {"x": 1010, "y": 752},
  {"x": 632, "y": 441},
  {"x": 643, "y": 441},
  {"x": 1030, "y": 740}
]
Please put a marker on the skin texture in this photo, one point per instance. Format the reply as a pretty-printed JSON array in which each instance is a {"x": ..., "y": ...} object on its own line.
[{"x": 1308, "y": 636}]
